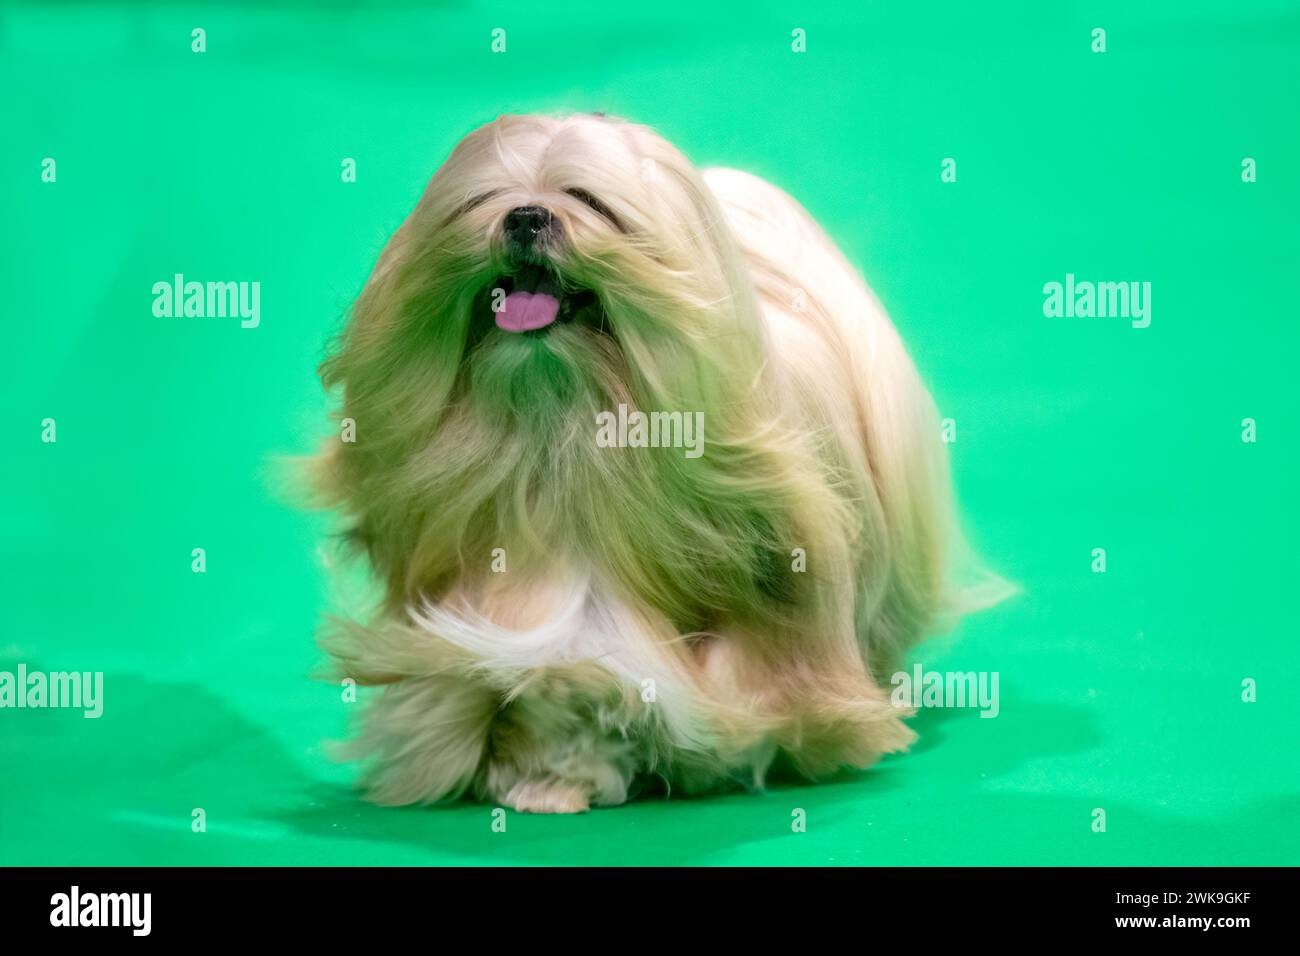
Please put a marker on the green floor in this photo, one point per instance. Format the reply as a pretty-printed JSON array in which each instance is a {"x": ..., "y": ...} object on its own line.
[{"x": 1120, "y": 691}]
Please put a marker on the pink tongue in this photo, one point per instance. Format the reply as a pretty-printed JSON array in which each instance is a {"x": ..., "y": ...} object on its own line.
[{"x": 524, "y": 311}]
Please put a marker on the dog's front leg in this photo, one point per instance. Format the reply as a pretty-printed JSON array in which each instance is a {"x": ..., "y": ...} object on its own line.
[{"x": 564, "y": 743}]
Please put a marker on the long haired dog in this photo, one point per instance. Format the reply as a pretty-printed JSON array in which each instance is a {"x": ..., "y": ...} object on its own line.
[{"x": 652, "y": 485}]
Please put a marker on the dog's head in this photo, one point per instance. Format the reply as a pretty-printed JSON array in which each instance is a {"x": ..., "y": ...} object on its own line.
[{"x": 553, "y": 261}]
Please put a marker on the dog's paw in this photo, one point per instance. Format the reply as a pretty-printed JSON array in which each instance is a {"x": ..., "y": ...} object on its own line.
[{"x": 548, "y": 796}]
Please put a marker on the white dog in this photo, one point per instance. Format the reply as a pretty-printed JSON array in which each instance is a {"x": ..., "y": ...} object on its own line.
[{"x": 565, "y": 618}]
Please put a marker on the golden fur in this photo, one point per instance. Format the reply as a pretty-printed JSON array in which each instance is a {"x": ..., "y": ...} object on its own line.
[{"x": 653, "y": 618}]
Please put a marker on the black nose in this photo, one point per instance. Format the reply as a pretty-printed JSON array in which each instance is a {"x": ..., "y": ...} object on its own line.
[{"x": 523, "y": 223}]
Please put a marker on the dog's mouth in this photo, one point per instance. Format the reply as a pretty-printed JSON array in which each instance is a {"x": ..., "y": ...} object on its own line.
[{"x": 534, "y": 297}]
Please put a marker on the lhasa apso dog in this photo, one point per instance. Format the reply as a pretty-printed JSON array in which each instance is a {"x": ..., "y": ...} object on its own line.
[{"x": 652, "y": 486}]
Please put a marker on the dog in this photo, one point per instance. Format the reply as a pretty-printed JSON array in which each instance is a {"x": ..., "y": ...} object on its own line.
[{"x": 565, "y": 620}]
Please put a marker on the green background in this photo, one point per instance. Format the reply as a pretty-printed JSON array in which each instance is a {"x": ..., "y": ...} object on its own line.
[{"x": 1119, "y": 691}]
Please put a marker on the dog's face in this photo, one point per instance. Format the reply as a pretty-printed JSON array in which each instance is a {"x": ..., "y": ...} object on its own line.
[{"x": 573, "y": 221}]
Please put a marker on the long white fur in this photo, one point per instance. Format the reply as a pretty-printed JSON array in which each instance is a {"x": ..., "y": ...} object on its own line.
[{"x": 586, "y": 629}]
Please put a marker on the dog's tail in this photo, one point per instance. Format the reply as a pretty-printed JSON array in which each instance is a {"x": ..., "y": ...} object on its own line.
[{"x": 917, "y": 572}]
